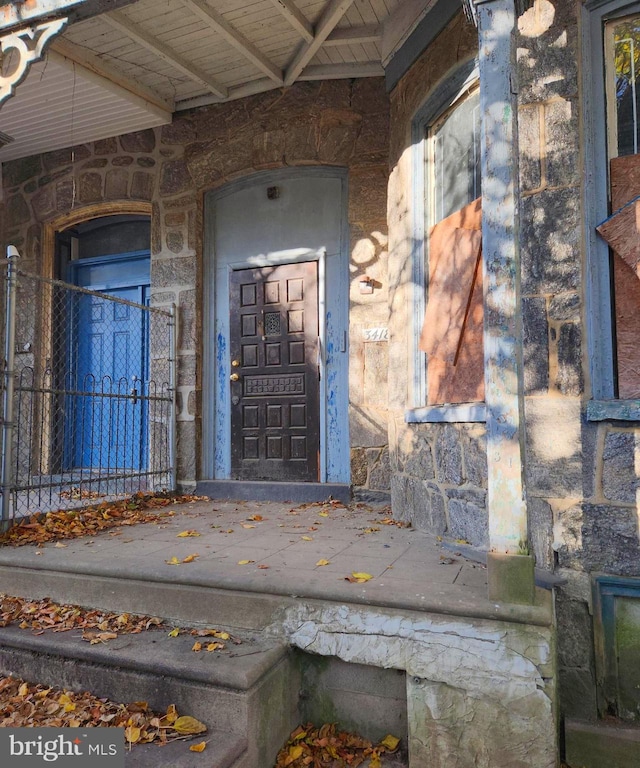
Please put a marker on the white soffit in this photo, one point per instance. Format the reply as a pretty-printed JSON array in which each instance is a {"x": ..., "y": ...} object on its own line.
[{"x": 62, "y": 104}]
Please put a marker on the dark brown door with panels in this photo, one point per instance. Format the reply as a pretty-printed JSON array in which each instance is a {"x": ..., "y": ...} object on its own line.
[{"x": 275, "y": 432}]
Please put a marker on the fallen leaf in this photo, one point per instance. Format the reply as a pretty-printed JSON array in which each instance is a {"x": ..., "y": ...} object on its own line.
[
  {"x": 59, "y": 545},
  {"x": 247, "y": 525},
  {"x": 371, "y": 530},
  {"x": 323, "y": 514},
  {"x": 188, "y": 725},
  {"x": 245, "y": 562},
  {"x": 263, "y": 567},
  {"x": 174, "y": 632},
  {"x": 390, "y": 742},
  {"x": 132, "y": 734},
  {"x": 214, "y": 647},
  {"x": 188, "y": 534},
  {"x": 198, "y": 747},
  {"x": 323, "y": 562},
  {"x": 307, "y": 538},
  {"x": 190, "y": 558},
  {"x": 256, "y": 517},
  {"x": 197, "y": 647},
  {"x": 173, "y": 561},
  {"x": 358, "y": 577}
]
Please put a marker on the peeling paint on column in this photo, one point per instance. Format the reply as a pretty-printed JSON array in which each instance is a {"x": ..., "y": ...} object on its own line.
[
  {"x": 507, "y": 509},
  {"x": 222, "y": 405}
]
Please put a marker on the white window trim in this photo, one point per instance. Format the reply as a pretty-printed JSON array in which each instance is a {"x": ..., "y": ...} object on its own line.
[{"x": 452, "y": 88}]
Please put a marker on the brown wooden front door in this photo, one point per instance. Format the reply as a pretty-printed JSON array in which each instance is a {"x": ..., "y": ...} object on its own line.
[{"x": 275, "y": 432}]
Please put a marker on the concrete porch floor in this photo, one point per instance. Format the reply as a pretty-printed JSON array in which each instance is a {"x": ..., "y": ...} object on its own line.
[{"x": 411, "y": 569}]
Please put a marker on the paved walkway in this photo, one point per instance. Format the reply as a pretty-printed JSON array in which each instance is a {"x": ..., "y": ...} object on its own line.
[{"x": 284, "y": 543}]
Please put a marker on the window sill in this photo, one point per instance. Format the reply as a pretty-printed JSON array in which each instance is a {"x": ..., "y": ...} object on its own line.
[
  {"x": 448, "y": 414},
  {"x": 615, "y": 410}
]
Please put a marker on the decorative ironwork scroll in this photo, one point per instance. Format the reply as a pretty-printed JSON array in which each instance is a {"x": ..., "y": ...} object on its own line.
[{"x": 30, "y": 43}]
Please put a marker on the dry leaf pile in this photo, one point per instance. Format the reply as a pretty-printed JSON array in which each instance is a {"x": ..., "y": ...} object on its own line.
[
  {"x": 97, "y": 626},
  {"x": 40, "y": 615},
  {"x": 72, "y": 524},
  {"x": 310, "y": 747},
  {"x": 26, "y": 705}
]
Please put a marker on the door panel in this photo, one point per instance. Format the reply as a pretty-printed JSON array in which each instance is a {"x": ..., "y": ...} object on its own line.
[{"x": 275, "y": 431}]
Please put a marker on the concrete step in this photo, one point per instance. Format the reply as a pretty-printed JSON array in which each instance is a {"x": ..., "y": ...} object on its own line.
[
  {"x": 610, "y": 743},
  {"x": 189, "y": 603},
  {"x": 247, "y": 696}
]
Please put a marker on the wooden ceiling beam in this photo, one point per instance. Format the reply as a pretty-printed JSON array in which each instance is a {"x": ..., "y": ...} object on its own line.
[
  {"x": 296, "y": 18},
  {"x": 120, "y": 22},
  {"x": 333, "y": 12},
  {"x": 342, "y": 71},
  {"x": 369, "y": 33},
  {"x": 85, "y": 58},
  {"x": 219, "y": 24}
]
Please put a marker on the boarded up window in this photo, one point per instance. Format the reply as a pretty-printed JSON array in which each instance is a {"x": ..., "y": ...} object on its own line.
[{"x": 452, "y": 329}]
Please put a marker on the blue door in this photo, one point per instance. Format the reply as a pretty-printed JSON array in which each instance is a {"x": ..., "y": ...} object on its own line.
[{"x": 109, "y": 365}]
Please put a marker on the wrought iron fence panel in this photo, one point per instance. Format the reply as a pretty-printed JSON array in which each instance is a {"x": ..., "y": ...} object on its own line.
[{"x": 88, "y": 395}]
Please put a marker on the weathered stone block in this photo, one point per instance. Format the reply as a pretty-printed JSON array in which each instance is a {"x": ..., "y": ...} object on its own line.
[
  {"x": 418, "y": 502},
  {"x": 64, "y": 195},
  {"x": 511, "y": 578},
  {"x": 359, "y": 467},
  {"x": 17, "y": 210},
  {"x": 122, "y": 160},
  {"x": 474, "y": 449},
  {"x": 577, "y": 693},
  {"x": 187, "y": 320},
  {"x": 140, "y": 141},
  {"x": 565, "y": 307},
  {"x": 16, "y": 172},
  {"x": 116, "y": 183},
  {"x": 142, "y": 186},
  {"x": 536, "y": 346},
  {"x": 186, "y": 370},
  {"x": 553, "y": 447},
  {"x": 569, "y": 379},
  {"x": 551, "y": 264},
  {"x": 608, "y": 541},
  {"x": 169, "y": 272},
  {"x": 448, "y": 455},
  {"x": 175, "y": 177},
  {"x": 186, "y": 450},
  {"x": 66, "y": 156},
  {"x": 105, "y": 146},
  {"x": 369, "y": 95},
  {"x": 44, "y": 203},
  {"x": 145, "y": 162},
  {"x": 367, "y": 427},
  {"x": 96, "y": 162},
  {"x": 379, "y": 469},
  {"x": 620, "y": 480},
  {"x": 468, "y": 517},
  {"x": 530, "y": 147},
  {"x": 339, "y": 129},
  {"x": 563, "y": 152},
  {"x": 90, "y": 187},
  {"x": 575, "y": 633},
  {"x": 540, "y": 520},
  {"x": 415, "y": 455},
  {"x": 180, "y": 131},
  {"x": 301, "y": 141},
  {"x": 175, "y": 241}
]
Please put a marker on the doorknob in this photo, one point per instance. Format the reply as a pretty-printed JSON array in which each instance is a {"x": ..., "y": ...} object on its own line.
[
  {"x": 235, "y": 363},
  {"x": 234, "y": 377}
]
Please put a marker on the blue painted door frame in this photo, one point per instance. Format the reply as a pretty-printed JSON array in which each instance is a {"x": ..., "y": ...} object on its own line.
[{"x": 108, "y": 358}]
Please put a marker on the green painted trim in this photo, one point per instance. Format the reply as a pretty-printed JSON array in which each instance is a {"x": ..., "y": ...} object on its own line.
[{"x": 613, "y": 410}]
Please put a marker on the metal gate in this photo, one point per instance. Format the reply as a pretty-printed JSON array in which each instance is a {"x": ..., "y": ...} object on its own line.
[{"x": 83, "y": 420}]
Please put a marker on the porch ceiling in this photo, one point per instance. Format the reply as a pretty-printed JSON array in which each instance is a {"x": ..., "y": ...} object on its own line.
[{"x": 131, "y": 68}]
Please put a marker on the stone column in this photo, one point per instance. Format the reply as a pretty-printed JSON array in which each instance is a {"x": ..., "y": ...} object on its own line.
[{"x": 510, "y": 567}]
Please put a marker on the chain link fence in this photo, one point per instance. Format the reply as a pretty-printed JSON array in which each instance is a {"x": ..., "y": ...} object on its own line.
[{"x": 88, "y": 395}]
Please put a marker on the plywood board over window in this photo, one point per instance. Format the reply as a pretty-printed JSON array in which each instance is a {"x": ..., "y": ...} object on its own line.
[
  {"x": 453, "y": 323},
  {"x": 622, "y": 233}
]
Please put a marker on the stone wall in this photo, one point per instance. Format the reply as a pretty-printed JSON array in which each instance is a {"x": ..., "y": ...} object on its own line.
[
  {"x": 439, "y": 471},
  {"x": 337, "y": 123},
  {"x": 581, "y": 476}
]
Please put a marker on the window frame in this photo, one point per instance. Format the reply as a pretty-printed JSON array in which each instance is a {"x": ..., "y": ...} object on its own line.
[
  {"x": 603, "y": 403},
  {"x": 454, "y": 87}
]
